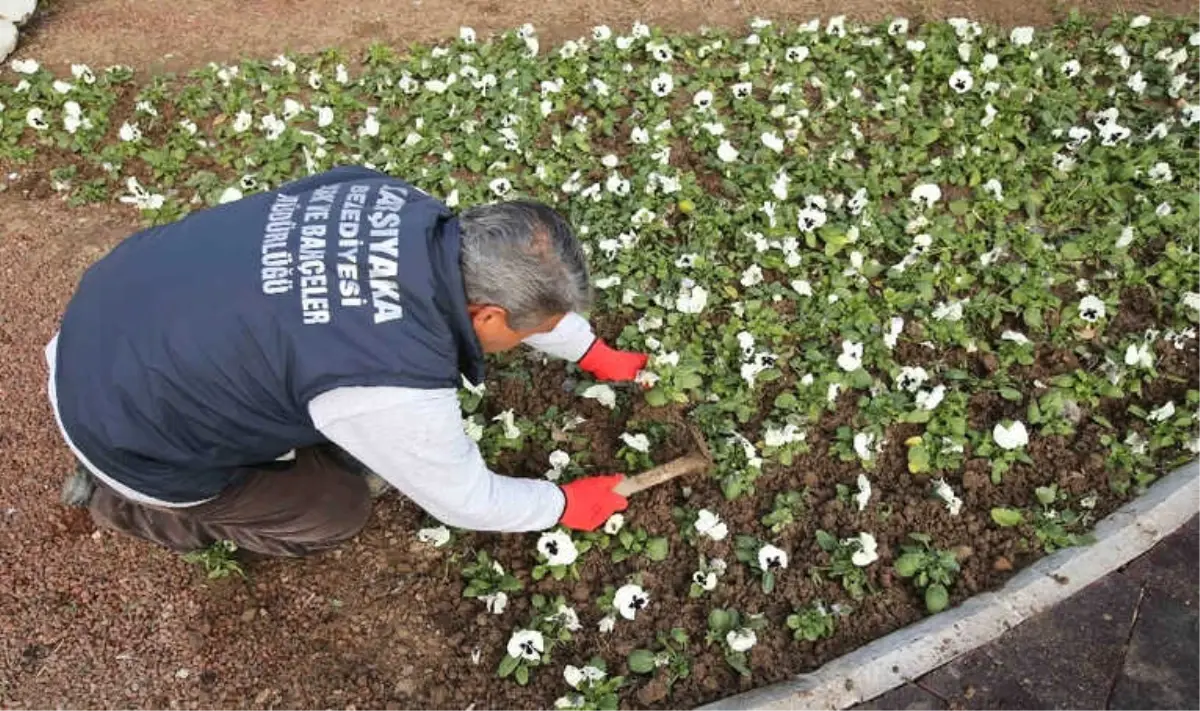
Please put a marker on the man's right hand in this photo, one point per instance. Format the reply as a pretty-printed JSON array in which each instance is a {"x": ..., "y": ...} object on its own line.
[{"x": 591, "y": 501}]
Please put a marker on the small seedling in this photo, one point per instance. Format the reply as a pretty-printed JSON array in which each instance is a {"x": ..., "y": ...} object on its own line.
[
  {"x": 1059, "y": 528},
  {"x": 669, "y": 654},
  {"x": 594, "y": 689},
  {"x": 218, "y": 560},
  {"x": 637, "y": 542},
  {"x": 811, "y": 623},
  {"x": 706, "y": 576},
  {"x": 789, "y": 507},
  {"x": 841, "y": 564},
  {"x": 933, "y": 571},
  {"x": 488, "y": 580},
  {"x": 763, "y": 558},
  {"x": 735, "y": 635},
  {"x": 552, "y": 624}
]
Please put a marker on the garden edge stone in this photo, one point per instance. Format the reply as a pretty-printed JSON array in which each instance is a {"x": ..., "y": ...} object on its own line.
[{"x": 911, "y": 652}]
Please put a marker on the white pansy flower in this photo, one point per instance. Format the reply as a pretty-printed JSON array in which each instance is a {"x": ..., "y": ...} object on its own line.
[
  {"x": 895, "y": 328},
  {"x": 1071, "y": 68},
  {"x": 911, "y": 378},
  {"x": 810, "y": 219},
  {"x": 776, "y": 437},
  {"x": 1160, "y": 172},
  {"x": 604, "y": 394},
  {"x": 242, "y": 121},
  {"x": 710, "y": 525},
  {"x": 83, "y": 73},
  {"x": 726, "y": 152},
  {"x": 526, "y": 644},
  {"x": 994, "y": 188},
  {"x": 915, "y": 46},
  {"x": 752, "y": 276},
  {"x": 864, "y": 492},
  {"x": 1163, "y": 209},
  {"x": 557, "y": 548},
  {"x": 928, "y": 399},
  {"x": 473, "y": 429},
  {"x": 607, "y": 624},
  {"x": 961, "y": 81},
  {"x": 943, "y": 491},
  {"x": 779, "y": 187},
  {"x": 638, "y": 442},
  {"x": 1012, "y": 436},
  {"x": 864, "y": 446},
  {"x": 1136, "y": 83},
  {"x": 1091, "y": 308},
  {"x": 770, "y": 558},
  {"x": 741, "y": 640},
  {"x": 1191, "y": 300},
  {"x": 436, "y": 537},
  {"x": 867, "y": 552},
  {"x": 25, "y": 66},
  {"x": 506, "y": 418},
  {"x": 771, "y": 140},
  {"x": 802, "y": 287},
  {"x": 35, "y": 118},
  {"x": 614, "y": 524},
  {"x": 836, "y": 26},
  {"x": 796, "y": 55},
  {"x": 926, "y": 194},
  {"x": 629, "y": 599},
  {"x": 230, "y": 194},
  {"x": 662, "y": 85},
  {"x": 692, "y": 299},
  {"x": 130, "y": 132},
  {"x": 1139, "y": 21},
  {"x": 1162, "y": 414},
  {"x": 898, "y": 26},
  {"x": 1139, "y": 355},
  {"x": 496, "y": 602},
  {"x": 850, "y": 359},
  {"x": 988, "y": 63},
  {"x": 948, "y": 311},
  {"x": 1021, "y": 36}
]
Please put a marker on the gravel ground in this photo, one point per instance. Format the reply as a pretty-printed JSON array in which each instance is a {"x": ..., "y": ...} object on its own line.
[{"x": 88, "y": 619}]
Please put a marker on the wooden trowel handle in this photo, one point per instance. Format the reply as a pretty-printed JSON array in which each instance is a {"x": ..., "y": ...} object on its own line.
[{"x": 653, "y": 477}]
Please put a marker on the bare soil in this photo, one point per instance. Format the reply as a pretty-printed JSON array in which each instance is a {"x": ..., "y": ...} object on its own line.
[
  {"x": 91, "y": 619},
  {"x": 158, "y": 34}
]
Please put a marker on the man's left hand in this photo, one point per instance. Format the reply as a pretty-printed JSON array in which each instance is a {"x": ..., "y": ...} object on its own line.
[{"x": 606, "y": 363}]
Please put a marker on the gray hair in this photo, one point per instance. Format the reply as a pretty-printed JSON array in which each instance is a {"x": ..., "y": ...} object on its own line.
[{"x": 523, "y": 257}]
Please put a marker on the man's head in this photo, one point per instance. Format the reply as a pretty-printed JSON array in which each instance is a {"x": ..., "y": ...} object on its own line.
[{"x": 523, "y": 270}]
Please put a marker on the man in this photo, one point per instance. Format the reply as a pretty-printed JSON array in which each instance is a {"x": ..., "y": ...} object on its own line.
[{"x": 204, "y": 368}]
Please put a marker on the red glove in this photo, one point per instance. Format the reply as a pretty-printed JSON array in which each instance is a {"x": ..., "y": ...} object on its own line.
[
  {"x": 608, "y": 364},
  {"x": 591, "y": 501}
]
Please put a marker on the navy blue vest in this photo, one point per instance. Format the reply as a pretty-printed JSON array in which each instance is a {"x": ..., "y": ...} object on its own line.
[{"x": 193, "y": 349}]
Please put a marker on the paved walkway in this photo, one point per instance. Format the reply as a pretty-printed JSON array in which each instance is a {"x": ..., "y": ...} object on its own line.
[{"x": 1128, "y": 641}]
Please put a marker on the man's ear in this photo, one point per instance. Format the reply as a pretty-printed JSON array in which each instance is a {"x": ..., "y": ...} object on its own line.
[{"x": 487, "y": 317}]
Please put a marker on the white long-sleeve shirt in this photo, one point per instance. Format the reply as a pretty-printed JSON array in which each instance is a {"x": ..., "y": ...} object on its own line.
[{"x": 415, "y": 440}]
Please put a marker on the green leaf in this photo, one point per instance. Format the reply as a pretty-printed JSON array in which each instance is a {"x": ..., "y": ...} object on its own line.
[
  {"x": 826, "y": 541},
  {"x": 1046, "y": 494},
  {"x": 719, "y": 620},
  {"x": 508, "y": 665},
  {"x": 1007, "y": 517},
  {"x": 655, "y": 397},
  {"x": 768, "y": 582},
  {"x": 918, "y": 459},
  {"x": 522, "y": 675},
  {"x": 960, "y": 207},
  {"x": 1011, "y": 394},
  {"x": 908, "y": 564},
  {"x": 657, "y": 548},
  {"x": 641, "y": 661},
  {"x": 936, "y": 598}
]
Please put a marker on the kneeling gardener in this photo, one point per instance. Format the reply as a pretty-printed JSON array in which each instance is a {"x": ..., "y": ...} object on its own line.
[{"x": 207, "y": 372}]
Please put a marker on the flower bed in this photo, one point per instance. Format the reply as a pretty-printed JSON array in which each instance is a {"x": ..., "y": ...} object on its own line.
[{"x": 929, "y": 292}]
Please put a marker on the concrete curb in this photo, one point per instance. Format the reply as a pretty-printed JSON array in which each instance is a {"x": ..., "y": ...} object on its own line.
[{"x": 918, "y": 649}]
